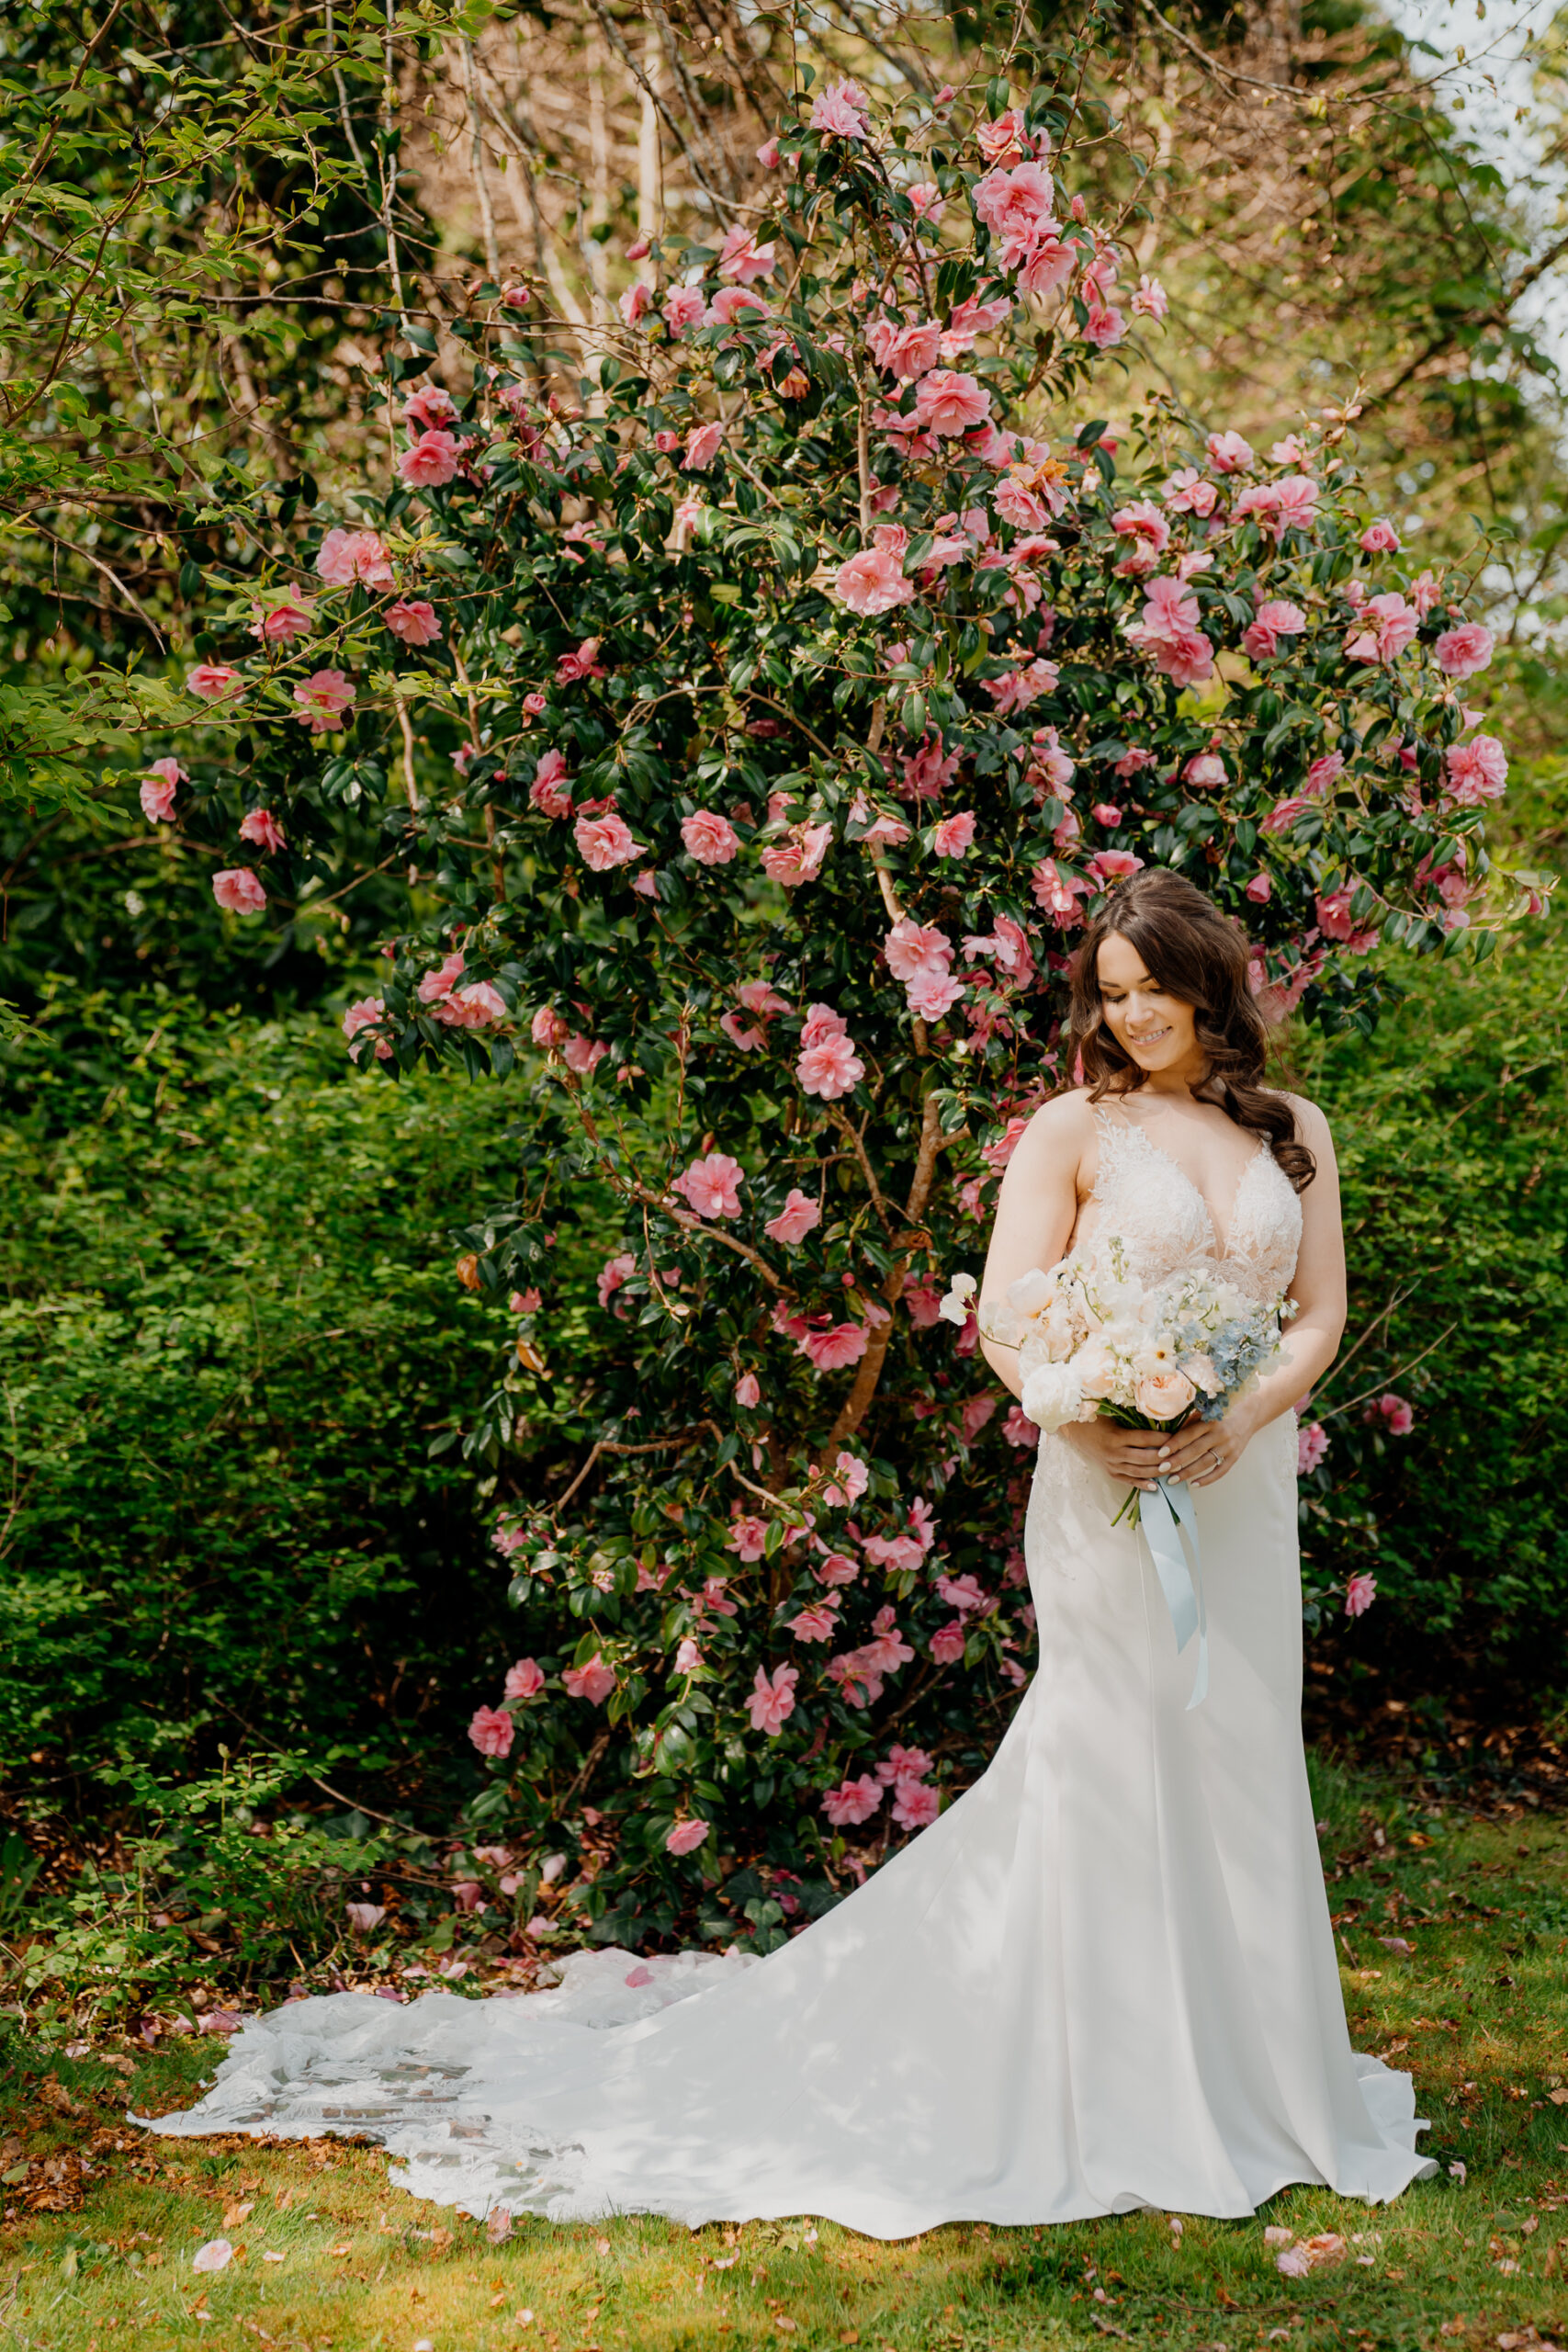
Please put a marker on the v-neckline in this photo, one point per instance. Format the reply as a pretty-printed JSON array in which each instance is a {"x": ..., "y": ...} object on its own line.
[{"x": 1132, "y": 1126}]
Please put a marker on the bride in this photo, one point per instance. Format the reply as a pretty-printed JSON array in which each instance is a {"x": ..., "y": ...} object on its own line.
[{"x": 1105, "y": 1977}]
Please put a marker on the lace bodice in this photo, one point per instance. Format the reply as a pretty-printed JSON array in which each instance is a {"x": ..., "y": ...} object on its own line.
[{"x": 1143, "y": 1195}]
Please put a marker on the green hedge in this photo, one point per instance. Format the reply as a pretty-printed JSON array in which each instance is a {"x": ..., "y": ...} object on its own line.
[
  {"x": 1450, "y": 1126},
  {"x": 229, "y": 1333}
]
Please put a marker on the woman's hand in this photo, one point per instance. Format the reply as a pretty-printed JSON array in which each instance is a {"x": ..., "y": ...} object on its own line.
[
  {"x": 1129, "y": 1456},
  {"x": 1202, "y": 1451}
]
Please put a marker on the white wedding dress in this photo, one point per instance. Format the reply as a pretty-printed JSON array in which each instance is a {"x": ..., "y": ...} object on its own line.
[{"x": 1103, "y": 1979}]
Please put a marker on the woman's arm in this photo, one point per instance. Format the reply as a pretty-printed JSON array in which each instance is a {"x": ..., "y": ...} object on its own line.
[
  {"x": 1036, "y": 1210},
  {"x": 1312, "y": 1337}
]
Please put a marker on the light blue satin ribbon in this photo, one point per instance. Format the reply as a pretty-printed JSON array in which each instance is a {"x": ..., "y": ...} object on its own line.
[{"x": 1166, "y": 1517}]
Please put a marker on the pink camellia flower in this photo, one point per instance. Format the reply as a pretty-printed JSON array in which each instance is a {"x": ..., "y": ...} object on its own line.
[
  {"x": 238, "y": 892},
  {"x": 954, "y": 837},
  {"x": 1460, "y": 652},
  {"x": 612, "y": 1274},
  {"x": 947, "y": 1644},
  {"x": 1105, "y": 326},
  {"x": 634, "y": 302},
  {"x": 525, "y": 1679},
  {"x": 431, "y": 461},
  {"x": 909, "y": 350},
  {"x": 732, "y": 302},
  {"x": 364, "y": 1916},
  {"x": 1048, "y": 267},
  {"x": 475, "y": 1007},
  {"x": 702, "y": 446},
  {"x": 260, "y": 826},
  {"x": 688, "y": 1655},
  {"x": 157, "y": 794},
  {"x": 1002, "y": 140},
  {"x": 1112, "y": 864},
  {"x": 547, "y": 792},
  {"x": 851, "y": 1479},
  {"x": 872, "y": 581},
  {"x": 947, "y": 402},
  {"x": 914, "y": 1806},
  {"x": 279, "y": 624},
  {"x": 583, "y": 1053},
  {"x": 1187, "y": 492},
  {"x": 711, "y": 838},
  {"x": 829, "y": 1068},
  {"x": 1476, "y": 770},
  {"x": 215, "y": 681},
  {"x": 1274, "y": 620},
  {"x": 686, "y": 1836},
  {"x": 749, "y": 1391},
  {"x": 547, "y": 1029},
  {"x": 1425, "y": 590},
  {"x": 1324, "y": 772},
  {"x": 742, "y": 259},
  {"x": 1146, "y": 527},
  {"x": 1151, "y": 301},
  {"x": 712, "y": 1185},
  {"x": 606, "y": 842},
  {"x": 322, "y": 698},
  {"x": 768, "y": 155},
  {"x": 830, "y": 1351},
  {"x": 1018, "y": 1430},
  {"x": 1360, "y": 1592},
  {"x": 1057, "y": 894},
  {"x": 364, "y": 1015},
  {"x": 593, "y": 1682},
  {"x": 852, "y": 1802},
  {"x": 430, "y": 410},
  {"x": 1312, "y": 1445},
  {"x": 748, "y": 1537},
  {"x": 771, "y": 1701},
  {"x": 525, "y": 1302},
  {"x": 347, "y": 557},
  {"x": 1398, "y": 1417},
  {"x": 1379, "y": 538},
  {"x": 1205, "y": 771},
  {"x": 1168, "y": 627},
  {"x": 491, "y": 1731},
  {"x": 816, "y": 1622},
  {"x": 1228, "y": 453},
  {"x": 1106, "y": 813},
  {"x": 798, "y": 857},
  {"x": 684, "y": 309},
  {"x": 1336, "y": 921},
  {"x": 840, "y": 111},
  {"x": 415, "y": 622},
  {"x": 798, "y": 1217},
  {"x": 1385, "y": 628},
  {"x": 1260, "y": 889},
  {"x": 517, "y": 298},
  {"x": 582, "y": 662},
  {"x": 1016, "y": 207}
]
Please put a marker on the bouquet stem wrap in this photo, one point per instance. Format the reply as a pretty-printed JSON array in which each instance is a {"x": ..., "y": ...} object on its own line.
[{"x": 1169, "y": 1525}]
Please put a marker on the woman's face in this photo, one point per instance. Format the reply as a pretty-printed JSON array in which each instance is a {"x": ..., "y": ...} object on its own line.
[{"x": 1155, "y": 1030}]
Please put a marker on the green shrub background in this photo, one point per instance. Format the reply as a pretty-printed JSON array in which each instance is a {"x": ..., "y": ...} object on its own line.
[{"x": 230, "y": 1333}]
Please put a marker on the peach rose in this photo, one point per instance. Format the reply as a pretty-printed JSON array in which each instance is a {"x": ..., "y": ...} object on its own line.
[{"x": 1163, "y": 1394}]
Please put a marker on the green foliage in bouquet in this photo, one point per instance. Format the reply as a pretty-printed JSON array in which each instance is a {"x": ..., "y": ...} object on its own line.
[{"x": 755, "y": 720}]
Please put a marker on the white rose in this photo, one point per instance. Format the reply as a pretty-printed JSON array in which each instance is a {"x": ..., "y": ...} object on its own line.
[{"x": 1053, "y": 1395}]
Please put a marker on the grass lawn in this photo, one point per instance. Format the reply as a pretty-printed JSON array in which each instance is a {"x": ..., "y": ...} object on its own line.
[{"x": 1453, "y": 1935}]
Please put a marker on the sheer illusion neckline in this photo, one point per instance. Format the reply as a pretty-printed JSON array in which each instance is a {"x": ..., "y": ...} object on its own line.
[{"x": 1119, "y": 1124}]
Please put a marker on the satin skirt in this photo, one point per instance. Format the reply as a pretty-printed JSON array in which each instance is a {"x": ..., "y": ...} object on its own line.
[{"x": 1103, "y": 1979}]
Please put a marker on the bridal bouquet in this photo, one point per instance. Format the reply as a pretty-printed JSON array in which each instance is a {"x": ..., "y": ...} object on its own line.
[{"x": 1093, "y": 1338}]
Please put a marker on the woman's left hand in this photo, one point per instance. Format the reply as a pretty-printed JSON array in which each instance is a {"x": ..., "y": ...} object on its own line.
[{"x": 1202, "y": 1451}]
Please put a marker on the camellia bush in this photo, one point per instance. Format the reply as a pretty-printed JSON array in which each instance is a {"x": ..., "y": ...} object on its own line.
[{"x": 756, "y": 720}]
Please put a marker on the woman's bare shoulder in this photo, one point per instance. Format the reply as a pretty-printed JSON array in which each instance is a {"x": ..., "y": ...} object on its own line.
[
  {"x": 1064, "y": 1124},
  {"x": 1311, "y": 1123}
]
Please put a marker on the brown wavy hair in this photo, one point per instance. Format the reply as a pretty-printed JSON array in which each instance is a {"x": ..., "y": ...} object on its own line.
[{"x": 1196, "y": 953}]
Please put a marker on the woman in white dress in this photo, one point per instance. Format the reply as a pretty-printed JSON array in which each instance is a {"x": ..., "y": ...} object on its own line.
[{"x": 1105, "y": 1977}]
